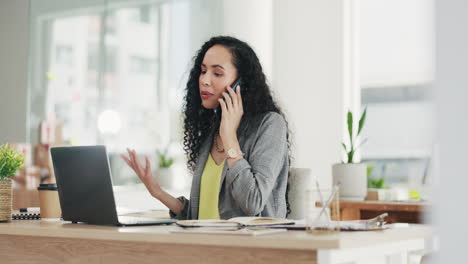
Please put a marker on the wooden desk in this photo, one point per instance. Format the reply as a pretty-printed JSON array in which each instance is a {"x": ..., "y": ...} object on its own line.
[
  {"x": 399, "y": 212},
  {"x": 36, "y": 241}
]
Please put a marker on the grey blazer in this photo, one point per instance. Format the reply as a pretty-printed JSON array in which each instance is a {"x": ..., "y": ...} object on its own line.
[{"x": 256, "y": 184}]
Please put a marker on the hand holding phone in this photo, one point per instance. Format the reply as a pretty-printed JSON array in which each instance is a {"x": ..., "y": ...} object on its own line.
[
  {"x": 230, "y": 115},
  {"x": 234, "y": 87},
  {"x": 235, "y": 84}
]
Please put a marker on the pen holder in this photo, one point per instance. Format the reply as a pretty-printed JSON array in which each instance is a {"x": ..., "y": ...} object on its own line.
[{"x": 322, "y": 210}]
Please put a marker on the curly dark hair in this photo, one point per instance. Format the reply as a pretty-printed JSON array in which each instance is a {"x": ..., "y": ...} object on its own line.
[{"x": 256, "y": 96}]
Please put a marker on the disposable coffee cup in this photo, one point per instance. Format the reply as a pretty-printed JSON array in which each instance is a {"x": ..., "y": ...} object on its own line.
[{"x": 49, "y": 202}]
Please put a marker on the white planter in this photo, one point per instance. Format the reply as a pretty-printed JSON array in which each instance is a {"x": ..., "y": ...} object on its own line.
[
  {"x": 165, "y": 178},
  {"x": 353, "y": 180}
]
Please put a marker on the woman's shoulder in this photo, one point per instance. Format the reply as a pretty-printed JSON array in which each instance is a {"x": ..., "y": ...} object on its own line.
[
  {"x": 268, "y": 128},
  {"x": 267, "y": 120},
  {"x": 273, "y": 117}
]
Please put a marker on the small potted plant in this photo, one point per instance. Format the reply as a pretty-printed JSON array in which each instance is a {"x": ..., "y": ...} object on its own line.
[
  {"x": 375, "y": 186},
  {"x": 352, "y": 175},
  {"x": 164, "y": 173},
  {"x": 10, "y": 162}
]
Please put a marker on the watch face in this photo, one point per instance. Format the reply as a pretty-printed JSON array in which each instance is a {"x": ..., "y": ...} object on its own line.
[{"x": 232, "y": 153}]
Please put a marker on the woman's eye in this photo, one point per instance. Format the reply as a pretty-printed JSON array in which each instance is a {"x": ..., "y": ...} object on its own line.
[
  {"x": 203, "y": 72},
  {"x": 218, "y": 74}
]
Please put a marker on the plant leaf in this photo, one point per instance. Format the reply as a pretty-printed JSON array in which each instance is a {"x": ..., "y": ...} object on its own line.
[
  {"x": 362, "y": 121},
  {"x": 370, "y": 168},
  {"x": 350, "y": 127},
  {"x": 379, "y": 183},
  {"x": 350, "y": 156},
  {"x": 344, "y": 146},
  {"x": 362, "y": 143},
  {"x": 10, "y": 161}
]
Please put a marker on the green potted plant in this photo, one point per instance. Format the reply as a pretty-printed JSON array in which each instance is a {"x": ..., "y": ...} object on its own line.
[
  {"x": 351, "y": 175},
  {"x": 164, "y": 172},
  {"x": 375, "y": 186},
  {"x": 10, "y": 162}
]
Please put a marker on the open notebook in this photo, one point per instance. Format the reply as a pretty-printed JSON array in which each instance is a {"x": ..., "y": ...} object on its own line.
[{"x": 236, "y": 222}]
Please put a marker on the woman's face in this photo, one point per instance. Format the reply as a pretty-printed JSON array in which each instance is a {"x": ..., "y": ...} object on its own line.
[{"x": 217, "y": 72}]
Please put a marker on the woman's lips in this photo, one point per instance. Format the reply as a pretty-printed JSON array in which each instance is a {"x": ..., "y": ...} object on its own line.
[{"x": 206, "y": 95}]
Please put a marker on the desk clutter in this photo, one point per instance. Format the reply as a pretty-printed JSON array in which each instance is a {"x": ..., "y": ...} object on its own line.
[
  {"x": 264, "y": 225},
  {"x": 245, "y": 226}
]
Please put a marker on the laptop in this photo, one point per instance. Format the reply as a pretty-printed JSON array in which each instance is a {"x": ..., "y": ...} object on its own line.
[{"x": 85, "y": 188}]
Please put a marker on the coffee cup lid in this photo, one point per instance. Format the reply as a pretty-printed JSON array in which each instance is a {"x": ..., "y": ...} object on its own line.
[{"x": 47, "y": 187}]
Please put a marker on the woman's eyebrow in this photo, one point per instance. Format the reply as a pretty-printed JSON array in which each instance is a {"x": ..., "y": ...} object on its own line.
[{"x": 215, "y": 66}]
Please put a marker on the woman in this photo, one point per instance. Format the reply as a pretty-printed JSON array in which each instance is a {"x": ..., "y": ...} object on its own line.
[{"x": 237, "y": 142}]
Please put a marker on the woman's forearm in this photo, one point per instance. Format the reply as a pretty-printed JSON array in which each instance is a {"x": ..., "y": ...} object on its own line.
[
  {"x": 170, "y": 201},
  {"x": 234, "y": 144}
]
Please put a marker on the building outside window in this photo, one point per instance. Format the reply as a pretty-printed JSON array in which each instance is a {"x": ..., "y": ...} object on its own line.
[{"x": 101, "y": 73}]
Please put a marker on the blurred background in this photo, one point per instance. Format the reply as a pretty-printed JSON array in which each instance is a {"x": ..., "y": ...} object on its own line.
[{"x": 113, "y": 72}]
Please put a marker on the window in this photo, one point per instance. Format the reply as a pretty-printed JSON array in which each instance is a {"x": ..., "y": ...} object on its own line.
[
  {"x": 101, "y": 76},
  {"x": 142, "y": 65},
  {"x": 64, "y": 55},
  {"x": 127, "y": 66},
  {"x": 141, "y": 15},
  {"x": 396, "y": 71},
  {"x": 399, "y": 127}
]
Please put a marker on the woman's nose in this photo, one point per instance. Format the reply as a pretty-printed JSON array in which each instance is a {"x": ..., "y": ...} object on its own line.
[{"x": 205, "y": 79}]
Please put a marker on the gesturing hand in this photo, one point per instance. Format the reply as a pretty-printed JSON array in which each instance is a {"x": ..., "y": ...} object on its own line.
[
  {"x": 145, "y": 174},
  {"x": 232, "y": 111}
]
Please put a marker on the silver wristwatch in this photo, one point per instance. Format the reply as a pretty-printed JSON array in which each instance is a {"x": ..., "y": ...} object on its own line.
[{"x": 234, "y": 153}]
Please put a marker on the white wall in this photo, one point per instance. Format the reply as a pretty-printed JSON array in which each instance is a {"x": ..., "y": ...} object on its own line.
[
  {"x": 396, "y": 42},
  {"x": 452, "y": 128},
  {"x": 207, "y": 20},
  {"x": 13, "y": 70},
  {"x": 309, "y": 78},
  {"x": 253, "y": 25}
]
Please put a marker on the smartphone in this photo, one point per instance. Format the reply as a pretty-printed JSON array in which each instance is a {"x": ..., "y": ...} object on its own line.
[
  {"x": 235, "y": 84},
  {"x": 234, "y": 87}
]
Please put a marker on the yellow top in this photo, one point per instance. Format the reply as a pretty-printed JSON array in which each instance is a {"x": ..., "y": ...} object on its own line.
[{"x": 209, "y": 189}]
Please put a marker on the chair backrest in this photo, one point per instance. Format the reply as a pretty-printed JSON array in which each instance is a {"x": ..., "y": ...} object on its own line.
[{"x": 300, "y": 179}]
